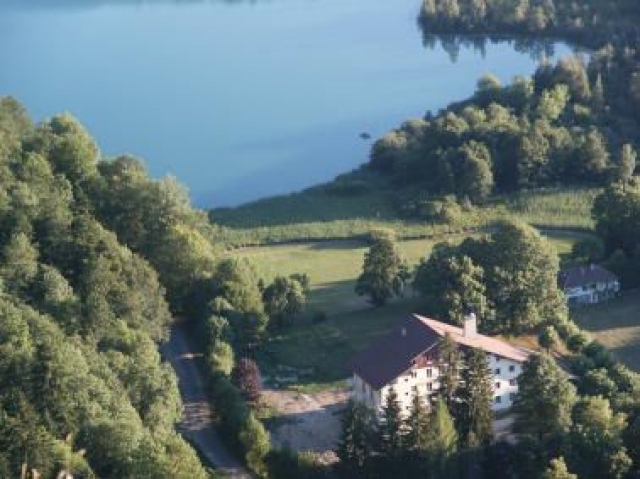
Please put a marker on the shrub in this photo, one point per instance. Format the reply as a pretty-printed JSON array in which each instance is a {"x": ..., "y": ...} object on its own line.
[{"x": 246, "y": 377}]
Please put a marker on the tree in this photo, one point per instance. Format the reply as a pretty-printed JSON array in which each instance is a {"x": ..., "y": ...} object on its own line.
[
  {"x": 70, "y": 149},
  {"x": 384, "y": 272},
  {"x": 20, "y": 263},
  {"x": 474, "y": 416},
  {"x": 443, "y": 440},
  {"x": 595, "y": 449},
  {"x": 592, "y": 159},
  {"x": 452, "y": 285},
  {"x": 548, "y": 338},
  {"x": 553, "y": 102},
  {"x": 616, "y": 212},
  {"x": 417, "y": 437},
  {"x": 558, "y": 470},
  {"x": 521, "y": 270},
  {"x": 283, "y": 299},
  {"x": 391, "y": 441},
  {"x": 627, "y": 165},
  {"x": 417, "y": 424},
  {"x": 545, "y": 399},
  {"x": 246, "y": 377},
  {"x": 255, "y": 442},
  {"x": 238, "y": 297},
  {"x": 588, "y": 250},
  {"x": 449, "y": 366},
  {"x": 533, "y": 157},
  {"x": 355, "y": 445},
  {"x": 474, "y": 176}
]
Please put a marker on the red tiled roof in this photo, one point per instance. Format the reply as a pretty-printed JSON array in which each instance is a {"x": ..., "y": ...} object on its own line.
[
  {"x": 578, "y": 276},
  {"x": 394, "y": 354}
]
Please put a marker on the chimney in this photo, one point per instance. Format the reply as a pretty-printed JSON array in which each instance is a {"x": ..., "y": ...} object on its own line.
[{"x": 470, "y": 326}]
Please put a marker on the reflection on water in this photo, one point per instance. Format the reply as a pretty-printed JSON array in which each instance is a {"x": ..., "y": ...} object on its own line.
[
  {"x": 239, "y": 99},
  {"x": 538, "y": 49}
]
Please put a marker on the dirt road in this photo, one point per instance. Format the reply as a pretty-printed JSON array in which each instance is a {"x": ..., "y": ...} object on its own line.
[{"x": 196, "y": 424}]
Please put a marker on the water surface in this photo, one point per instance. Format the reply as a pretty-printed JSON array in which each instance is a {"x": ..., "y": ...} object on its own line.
[{"x": 238, "y": 99}]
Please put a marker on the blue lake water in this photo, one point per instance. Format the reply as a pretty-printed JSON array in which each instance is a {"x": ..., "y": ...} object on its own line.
[{"x": 237, "y": 99}]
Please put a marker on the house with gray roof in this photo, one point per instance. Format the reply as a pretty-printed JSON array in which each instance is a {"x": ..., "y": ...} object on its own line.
[
  {"x": 407, "y": 361},
  {"x": 588, "y": 284}
]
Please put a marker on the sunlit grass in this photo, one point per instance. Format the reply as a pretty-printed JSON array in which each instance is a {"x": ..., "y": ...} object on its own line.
[
  {"x": 314, "y": 352},
  {"x": 316, "y": 215}
]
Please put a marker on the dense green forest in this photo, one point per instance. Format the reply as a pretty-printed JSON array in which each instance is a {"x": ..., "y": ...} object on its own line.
[
  {"x": 97, "y": 260},
  {"x": 83, "y": 386},
  {"x": 565, "y": 126}
]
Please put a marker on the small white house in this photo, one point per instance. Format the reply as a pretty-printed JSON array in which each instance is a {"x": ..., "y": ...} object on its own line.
[
  {"x": 588, "y": 284},
  {"x": 408, "y": 358}
]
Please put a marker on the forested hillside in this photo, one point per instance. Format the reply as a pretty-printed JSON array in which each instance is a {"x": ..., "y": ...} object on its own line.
[
  {"x": 91, "y": 250},
  {"x": 565, "y": 126}
]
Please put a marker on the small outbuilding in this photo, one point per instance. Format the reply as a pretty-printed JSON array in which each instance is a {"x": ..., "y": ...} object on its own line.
[{"x": 588, "y": 284}]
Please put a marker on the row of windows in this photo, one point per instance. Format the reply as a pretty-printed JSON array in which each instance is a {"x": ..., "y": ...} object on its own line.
[
  {"x": 512, "y": 369},
  {"x": 512, "y": 382},
  {"x": 429, "y": 371},
  {"x": 498, "y": 399}
]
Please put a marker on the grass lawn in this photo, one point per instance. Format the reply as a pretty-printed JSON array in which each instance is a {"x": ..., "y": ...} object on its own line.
[
  {"x": 316, "y": 214},
  {"x": 616, "y": 324},
  {"x": 311, "y": 355}
]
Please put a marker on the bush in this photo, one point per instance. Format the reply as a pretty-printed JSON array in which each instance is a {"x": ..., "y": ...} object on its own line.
[
  {"x": 577, "y": 341},
  {"x": 255, "y": 443}
]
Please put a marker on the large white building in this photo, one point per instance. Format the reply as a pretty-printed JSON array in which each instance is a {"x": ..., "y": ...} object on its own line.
[{"x": 408, "y": 359}]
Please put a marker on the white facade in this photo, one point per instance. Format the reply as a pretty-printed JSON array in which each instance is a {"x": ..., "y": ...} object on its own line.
[
  {"x": 505, "y": 373},
  {"x": 592, "y": 293}
]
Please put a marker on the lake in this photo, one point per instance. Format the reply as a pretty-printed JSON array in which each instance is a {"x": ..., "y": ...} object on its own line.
[{"x": 237, "y": 99}]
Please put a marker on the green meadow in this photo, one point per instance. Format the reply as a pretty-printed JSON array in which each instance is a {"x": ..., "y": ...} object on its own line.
[
  {"x": 311, "y": 354},
  {"x": 319, "y": 214}
]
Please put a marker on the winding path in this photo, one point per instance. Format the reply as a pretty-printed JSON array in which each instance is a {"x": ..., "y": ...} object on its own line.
[{"x": 196, "y": 425}]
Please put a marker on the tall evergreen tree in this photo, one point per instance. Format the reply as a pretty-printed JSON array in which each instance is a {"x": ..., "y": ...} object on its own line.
[
  {"x": 474, "y": 416},
  {"x": 443, "y": 441},
  {"x": 391, "y": 435},
  {"x": 449, "y": 363},
  {"x": 355, "y": 445},
  {"x": 417, "y": 424}
]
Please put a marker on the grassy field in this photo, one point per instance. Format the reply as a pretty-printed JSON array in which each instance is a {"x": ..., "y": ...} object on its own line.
[
  {"x": 312, "y": 355},
  {"x": 616, "y": 324},
  {"x": 318, "y": 215}
]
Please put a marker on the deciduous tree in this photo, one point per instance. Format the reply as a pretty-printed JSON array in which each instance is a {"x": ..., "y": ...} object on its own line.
[{"x": 384, "y": 272}]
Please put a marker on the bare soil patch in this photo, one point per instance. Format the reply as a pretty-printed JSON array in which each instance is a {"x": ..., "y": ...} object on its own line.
[{"x": 306, "y": 422}]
